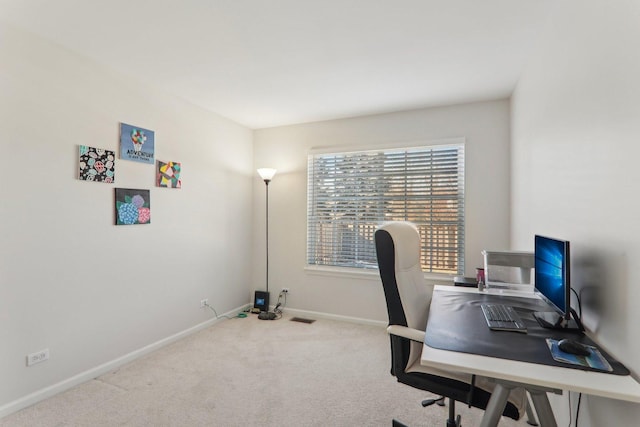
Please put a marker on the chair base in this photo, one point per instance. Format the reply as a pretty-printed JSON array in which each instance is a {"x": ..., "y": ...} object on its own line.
[
  {"x": 429, "y": 402},
  {"x": 450, "y": 423},
  {"x": 453, "y": 420}
]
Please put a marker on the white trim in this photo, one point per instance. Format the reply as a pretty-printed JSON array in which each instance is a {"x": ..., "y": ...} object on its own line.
[
  {"x": 318, "y": 315},
  {"x": 366, "y": 273},
  {"x": 92, "y": 373},
  {"x": 398, "y": 145},
  {"x": 353, "y": 273}
]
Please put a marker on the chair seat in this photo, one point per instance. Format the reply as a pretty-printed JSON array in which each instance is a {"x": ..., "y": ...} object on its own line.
[{"x": 459, "y": 382}]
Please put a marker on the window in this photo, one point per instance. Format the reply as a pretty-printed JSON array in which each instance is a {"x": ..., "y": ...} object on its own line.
[{"x": 350, "y": 194}]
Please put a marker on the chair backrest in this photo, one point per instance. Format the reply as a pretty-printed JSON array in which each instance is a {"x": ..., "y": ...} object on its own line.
[{"x": 408, "y": 296}]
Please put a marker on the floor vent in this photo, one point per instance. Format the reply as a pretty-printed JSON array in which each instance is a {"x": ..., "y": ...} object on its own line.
[{"x": 302, "y": 320}]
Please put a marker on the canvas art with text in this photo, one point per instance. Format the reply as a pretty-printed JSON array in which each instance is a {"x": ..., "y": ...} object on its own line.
[
  {"x": 96, "y": 164},
  {"x": 136, "y": 143},
  {"x": 132, "y": 206}
]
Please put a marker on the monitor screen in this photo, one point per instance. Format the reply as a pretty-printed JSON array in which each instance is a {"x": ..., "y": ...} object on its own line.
[{"x": 552, "y": 272}]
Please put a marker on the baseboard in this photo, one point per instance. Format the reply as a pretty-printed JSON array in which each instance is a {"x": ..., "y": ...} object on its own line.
[
  {"x": 320, "y": 315},
  {"x": 90, "y": 374}
]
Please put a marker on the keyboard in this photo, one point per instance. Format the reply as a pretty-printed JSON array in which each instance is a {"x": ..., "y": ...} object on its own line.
[{"x": 501, "y": 317}]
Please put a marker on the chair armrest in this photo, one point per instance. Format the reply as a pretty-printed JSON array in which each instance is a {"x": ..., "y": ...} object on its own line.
[{"x": 405, "y": 332}]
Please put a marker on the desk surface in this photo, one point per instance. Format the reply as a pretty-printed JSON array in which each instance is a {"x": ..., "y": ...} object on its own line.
[{"x": 594, "y": 383}]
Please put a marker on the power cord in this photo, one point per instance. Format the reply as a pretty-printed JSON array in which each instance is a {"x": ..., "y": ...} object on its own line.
[
  {"x": 577, "y": 409},
  {"x": 277, "y": 310},
  {"x": 577, "y": 316},
  {"x": 579, "y": 302},
  {"x": 206, "y": 304}
]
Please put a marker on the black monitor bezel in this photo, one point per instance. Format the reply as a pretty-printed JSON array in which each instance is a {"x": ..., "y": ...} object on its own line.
[{"x": 566, "y": 273}]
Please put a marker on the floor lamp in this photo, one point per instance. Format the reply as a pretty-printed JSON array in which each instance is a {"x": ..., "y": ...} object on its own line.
[{"x": 261, "y": 300}]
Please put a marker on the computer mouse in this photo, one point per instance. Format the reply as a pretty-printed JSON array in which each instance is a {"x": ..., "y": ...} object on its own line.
[{"x": 573, "y": 347}]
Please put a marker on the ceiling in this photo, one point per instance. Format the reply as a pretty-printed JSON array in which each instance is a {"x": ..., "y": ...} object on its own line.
[{"x": 265, "y": 63}]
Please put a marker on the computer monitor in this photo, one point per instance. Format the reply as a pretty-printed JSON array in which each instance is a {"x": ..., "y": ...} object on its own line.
[{"x": 552, "y": 259}]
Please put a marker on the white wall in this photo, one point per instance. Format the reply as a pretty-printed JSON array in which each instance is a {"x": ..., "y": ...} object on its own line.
[
  {"x": 486, "y": 129},
  {"x": 70, "y": 280},
  {"x": 575, "y": 175}
]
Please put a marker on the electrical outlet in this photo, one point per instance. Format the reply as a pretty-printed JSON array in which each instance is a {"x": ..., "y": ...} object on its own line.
[
  {"x": 285, "y": 290},
  {"x": 204, "y": 302},
  {"x": 37, "y": 357}
]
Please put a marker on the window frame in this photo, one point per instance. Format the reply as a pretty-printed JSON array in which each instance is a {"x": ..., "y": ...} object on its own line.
[{"x": 458, "y": 144}]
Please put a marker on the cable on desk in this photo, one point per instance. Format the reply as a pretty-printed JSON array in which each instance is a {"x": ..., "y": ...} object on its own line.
[
  {"x": 577, "y": 317},
  {"x": 579, "y": 301}
]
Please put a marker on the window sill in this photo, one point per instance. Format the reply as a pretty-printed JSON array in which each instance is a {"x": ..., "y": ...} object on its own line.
[
  {"x": 353, "y": 273},
  {"x": 367, "y": 274}
]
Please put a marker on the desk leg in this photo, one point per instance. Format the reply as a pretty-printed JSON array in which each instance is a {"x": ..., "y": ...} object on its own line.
[
  {"x": 543, "y": 408},
  {"x": 496, "y": 405},
  {"x": 499, "y": 397}
]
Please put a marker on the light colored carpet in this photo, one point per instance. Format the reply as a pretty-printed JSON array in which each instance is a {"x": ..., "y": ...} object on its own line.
[{"x": 243, "y": 372}]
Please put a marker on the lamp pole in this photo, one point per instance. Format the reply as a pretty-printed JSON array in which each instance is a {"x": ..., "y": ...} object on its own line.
[
  {"x": 266, "y": 183},
  {"x": 267, "y": 175}
]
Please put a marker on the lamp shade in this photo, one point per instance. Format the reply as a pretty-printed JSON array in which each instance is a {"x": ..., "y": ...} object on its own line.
[{"x": 266, "y": 173}]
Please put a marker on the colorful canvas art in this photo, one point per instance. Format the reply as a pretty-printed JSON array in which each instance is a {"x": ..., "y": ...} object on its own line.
[
  {"x": 136, "y": 143},
  {"x": 132, "y": 206},
  {"x": 168, "y": 175},
  {"x": 96, "y": 164}
]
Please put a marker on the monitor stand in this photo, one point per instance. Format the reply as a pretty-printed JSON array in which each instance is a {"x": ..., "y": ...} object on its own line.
[{"x": 552, "y": 320}]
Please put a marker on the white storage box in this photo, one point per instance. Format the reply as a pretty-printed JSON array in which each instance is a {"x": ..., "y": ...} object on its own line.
[{"x": 507, "y": 269}]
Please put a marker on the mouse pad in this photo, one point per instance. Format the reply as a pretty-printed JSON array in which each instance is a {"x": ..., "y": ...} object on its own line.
[{"x": 455, "y": 311}]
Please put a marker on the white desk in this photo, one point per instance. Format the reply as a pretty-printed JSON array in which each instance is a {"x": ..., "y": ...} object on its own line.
[{"x": 534, "y": 377}]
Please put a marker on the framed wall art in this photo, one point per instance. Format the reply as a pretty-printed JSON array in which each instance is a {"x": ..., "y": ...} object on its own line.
[
  {"x": 136, "y": 143},
  {"x": 168, "y": 175},
  {"x": 132, "y": 206},
  {"x": 96, "y": 164}
]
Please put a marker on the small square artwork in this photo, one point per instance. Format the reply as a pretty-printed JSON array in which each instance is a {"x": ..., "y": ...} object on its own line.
[
  {"x": 136, "y": 143},
  {"x": 168, "y": 175},
  {"x": 132, "y": 206},
  {"x": 96, "y": 164}
]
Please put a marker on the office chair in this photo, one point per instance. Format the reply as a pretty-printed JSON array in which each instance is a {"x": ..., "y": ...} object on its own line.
[{"x": 408, "y": 298}]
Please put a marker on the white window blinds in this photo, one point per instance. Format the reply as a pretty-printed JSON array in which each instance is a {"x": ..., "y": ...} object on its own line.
[{"x": 351, "y": 194}]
